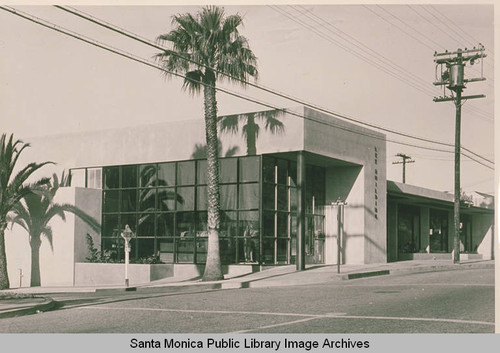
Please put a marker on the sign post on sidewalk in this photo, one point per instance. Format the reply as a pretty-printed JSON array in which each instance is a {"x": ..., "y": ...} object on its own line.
[
  {"x": 340, "y": 228},
  {"x": 127, "y": 234}
]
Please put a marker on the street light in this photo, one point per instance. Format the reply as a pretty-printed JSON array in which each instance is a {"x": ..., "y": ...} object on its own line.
[
  {"x": 127, "y": 234},
  {"x": 340, "y": 227}
]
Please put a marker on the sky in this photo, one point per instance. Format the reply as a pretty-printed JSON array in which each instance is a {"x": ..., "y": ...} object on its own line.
[{"x": 373, "y": 63}]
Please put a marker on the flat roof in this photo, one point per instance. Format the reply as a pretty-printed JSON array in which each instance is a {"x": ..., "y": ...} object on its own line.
[{"x": 426, "y": 197}]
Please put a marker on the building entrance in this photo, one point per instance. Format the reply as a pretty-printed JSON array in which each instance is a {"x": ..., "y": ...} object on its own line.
[{"x": 438, "y": 232}]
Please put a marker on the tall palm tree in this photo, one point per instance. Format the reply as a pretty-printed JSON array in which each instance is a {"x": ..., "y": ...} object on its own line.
[
  {"x": 250, "y": 131},
  {"x": 205, "y": 47},
  {"x": 12, "y": 189},
  {"x": 34, "y": 212},
  {"x": 200, "y": 151}
]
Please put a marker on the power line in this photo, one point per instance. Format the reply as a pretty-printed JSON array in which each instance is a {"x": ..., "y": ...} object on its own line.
[
  {"x": 401, "y": 77},
  {"x": 408, "y": 25},
  {"x": 122, "y": 53},
  {"x": 433, "y": 23},
  {"x": 402, "y": 30},
  {"x": 385, "y": 61},
  {"x": 282, "y": 95},
  {"x": 472, "y": 109},
  {"x": 360, "y": 45},
  {"x": 448, "y": 20}
]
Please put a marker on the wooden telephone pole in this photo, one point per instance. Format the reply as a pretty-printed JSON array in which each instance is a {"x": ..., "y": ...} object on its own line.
[
  {"x": 406, "y": 159},
  {"x": 453, "y": 78}
]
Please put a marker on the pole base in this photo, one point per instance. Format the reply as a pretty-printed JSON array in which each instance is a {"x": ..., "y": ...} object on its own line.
[{"x": 126, "y": 282}]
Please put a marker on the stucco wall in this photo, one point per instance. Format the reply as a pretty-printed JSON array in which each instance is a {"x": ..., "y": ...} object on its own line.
[
  {"x": 68, "y": 240},
  {"x": 346, "y": 183},
  {"x": 392, "y": 231},
  {"x": 89, "y": 201},
  {"x": 335, "y": 138},
  {"x": 162, "y": 142},
  {"x": 483, "y": 235}
]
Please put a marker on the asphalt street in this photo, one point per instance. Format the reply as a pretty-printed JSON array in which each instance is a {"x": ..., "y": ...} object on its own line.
[{"x": 460, "y": 301}]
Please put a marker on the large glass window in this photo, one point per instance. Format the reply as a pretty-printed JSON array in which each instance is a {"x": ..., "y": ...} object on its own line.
[
  {"x": 165, "y": 205},
  {"x": 112, "y": 177},
  {"x": 466, "y": 234},
  {"x": 279, "y": 201},
  {"x": 408, "y": 229},
  {"x": 438, "y": 232}
]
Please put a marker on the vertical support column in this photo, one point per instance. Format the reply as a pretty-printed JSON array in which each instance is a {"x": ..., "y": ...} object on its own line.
[
  {"x": 301, "y": 203},
  {"x": 424, "y": 229},
  {"x": 339, "y": 235}
]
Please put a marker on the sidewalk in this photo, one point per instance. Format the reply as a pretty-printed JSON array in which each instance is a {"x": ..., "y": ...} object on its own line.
[{"x": 271, "y": 277}]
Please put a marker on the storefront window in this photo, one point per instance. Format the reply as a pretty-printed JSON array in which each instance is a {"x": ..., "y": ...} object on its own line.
[
  {"x": 408, "y": 229},
  {"x": 165, "y": 204},
  {"x": 249, "y": 169},
  {"x": 280, "y": 204},
  {"x": 249, "y": 196},
  {"x": 147, "y": 175},
  {"x": 129, "y": 176},
  {"x": 112, "y": 177},
  {"x": 228, "y": 170},
  {"x": 438, "y": 232},
  {"x": 166, "y": 174},
  {"x": 185, "y": 173}
]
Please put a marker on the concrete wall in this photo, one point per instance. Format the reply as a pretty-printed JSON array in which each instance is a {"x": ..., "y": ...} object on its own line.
[
  {"x": 366, "y": 213},
  {"x": 483, "y": 234},
  {"x": 346, "y": 183},
  {"x": 57, "y": 264},
  {"x": 93, "y": 274},
  {"x": 89, "y": 201},
  {"x": 68, "y": 240},
  {"x": 169, "y": 141},
  {"x": 392, "y": 231},
  {"x": 18, "y": 253}
]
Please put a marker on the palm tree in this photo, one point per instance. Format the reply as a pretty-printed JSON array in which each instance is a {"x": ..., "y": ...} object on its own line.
[
  {"x": 250, "y": 131},
  {"x": 12, "y": 189},
  {"x": 34, "y": 212},
  {"x": 205, "y": 47},
  {"x": 200, "y": 151}
]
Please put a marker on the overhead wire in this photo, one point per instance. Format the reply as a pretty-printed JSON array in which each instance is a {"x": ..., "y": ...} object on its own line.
[
  {"x": 268, "y": 90},
  {"x": 93, "y": 42},
  {"x": 475, "y": 110},
  {"x": 133, "y": 57},
  {"x": 433, "y": 23},
  {"x": 109, "y": 26},
  {"x": 386, "y": 61},
  {"x": 378, "y": 56},
  {"x": 342, "y": 46},
  {"x": 425, "y": 87},
  {"x": 405, "y": 23},
  {"x": 447, "y": 21}
]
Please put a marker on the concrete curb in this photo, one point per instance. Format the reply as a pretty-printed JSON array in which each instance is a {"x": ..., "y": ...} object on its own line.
[{"x": 47, "y": 305}]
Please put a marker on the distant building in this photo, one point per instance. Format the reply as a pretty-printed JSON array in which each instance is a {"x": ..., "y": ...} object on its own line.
[{"x": 150, "y": 178}]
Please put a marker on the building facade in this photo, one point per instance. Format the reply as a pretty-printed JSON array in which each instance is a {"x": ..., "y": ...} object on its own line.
[{"x": 152, "y": 178}]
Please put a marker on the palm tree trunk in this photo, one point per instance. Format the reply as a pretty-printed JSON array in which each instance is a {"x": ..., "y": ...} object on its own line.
[
  {"x": 4, "y": 276},
  {"x": 213, "y": 268},
  {"x": 35, "y": 261}
]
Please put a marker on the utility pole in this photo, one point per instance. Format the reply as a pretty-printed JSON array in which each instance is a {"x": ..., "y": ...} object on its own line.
[
  {"x": 453, "y": 79},
  {"x": 406, "y": 159}
]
